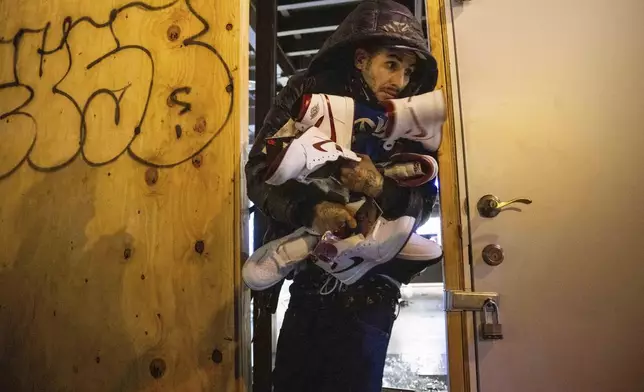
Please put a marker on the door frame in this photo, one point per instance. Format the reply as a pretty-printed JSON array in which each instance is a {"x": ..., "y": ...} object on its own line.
[
  {"x": 461, "y": 350},
  {"x": 454, "y": 225},
  {"x": 243, "y": 371}
]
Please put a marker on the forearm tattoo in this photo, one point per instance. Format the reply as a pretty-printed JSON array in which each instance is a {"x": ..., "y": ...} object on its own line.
[
  {"x": 372, "y": 183},
  {"x": 366, "y": 181}
]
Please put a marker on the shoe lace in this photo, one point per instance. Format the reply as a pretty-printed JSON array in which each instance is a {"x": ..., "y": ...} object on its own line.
[{"x": 324, "y": 290}]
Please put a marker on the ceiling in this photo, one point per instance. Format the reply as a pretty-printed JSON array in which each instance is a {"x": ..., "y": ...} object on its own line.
[{"x": 304, "y": 25}]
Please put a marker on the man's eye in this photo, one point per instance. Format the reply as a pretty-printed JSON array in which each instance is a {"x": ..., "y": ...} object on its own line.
[
  {"x": 392, "y": 65},
  {"x": 409, "y": 71}
]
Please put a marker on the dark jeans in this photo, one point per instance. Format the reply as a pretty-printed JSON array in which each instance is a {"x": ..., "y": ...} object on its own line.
[{"x": 336, "y": 343}]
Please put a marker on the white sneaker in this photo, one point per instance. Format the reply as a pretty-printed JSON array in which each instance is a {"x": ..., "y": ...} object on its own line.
[
  {"x": 419, "y": 118},
  {"x": 332, "y": 114},
  {"x": 276, "y": 259},
  {"x": 349, "y": 259},
  {"x": 304, "y": 155},
  {"x": 419, "y": 248}
]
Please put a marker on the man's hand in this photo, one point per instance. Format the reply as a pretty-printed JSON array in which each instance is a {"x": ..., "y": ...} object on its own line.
[
  {"x": 332, "y": 217},
  {"x": 362, "y": 177}
]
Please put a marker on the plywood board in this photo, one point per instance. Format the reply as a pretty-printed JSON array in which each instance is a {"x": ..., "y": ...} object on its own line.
[{"x": 119, "y": 194}]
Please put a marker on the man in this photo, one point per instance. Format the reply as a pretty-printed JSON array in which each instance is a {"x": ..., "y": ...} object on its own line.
[{"x": 338, "y": 341}]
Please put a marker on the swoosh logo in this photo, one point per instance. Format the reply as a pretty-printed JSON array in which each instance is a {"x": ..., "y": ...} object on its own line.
[{"x": 318, "y": 145}]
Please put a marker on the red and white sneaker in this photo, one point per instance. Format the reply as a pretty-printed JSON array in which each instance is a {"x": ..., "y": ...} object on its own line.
[
  {"x": 419, "y": 118},
  {"x": 304, "y": 155},
  {"x": 332, "y": 114},
  {"x": 410, "y": 169},
  {"x": 350, "y": 258}
]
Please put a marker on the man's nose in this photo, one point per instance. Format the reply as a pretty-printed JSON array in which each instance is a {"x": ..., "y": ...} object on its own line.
[{"x": 398, "y": 79}]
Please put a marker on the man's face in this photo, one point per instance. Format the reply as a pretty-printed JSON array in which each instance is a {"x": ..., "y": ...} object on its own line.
[{"x": 387, "y": 71}]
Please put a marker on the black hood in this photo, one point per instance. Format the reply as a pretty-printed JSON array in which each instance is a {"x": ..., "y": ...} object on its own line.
[{"x": 381, "y": 23}]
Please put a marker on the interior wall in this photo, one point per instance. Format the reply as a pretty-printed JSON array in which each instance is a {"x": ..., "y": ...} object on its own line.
[{"x": 120, "y": 194}]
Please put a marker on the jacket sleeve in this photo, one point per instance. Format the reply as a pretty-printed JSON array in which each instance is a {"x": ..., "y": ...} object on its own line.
[
  {"x": 418, "y": 202},
  {"x": 292, "y": 202}
]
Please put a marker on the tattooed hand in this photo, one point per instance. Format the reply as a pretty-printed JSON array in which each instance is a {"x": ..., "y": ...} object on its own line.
[
  {"x": 362, "y": 177},
  {"x": 332, "y": 217}
]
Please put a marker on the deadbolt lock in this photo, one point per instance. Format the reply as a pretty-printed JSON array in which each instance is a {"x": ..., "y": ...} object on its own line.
[{"x": 493, "y": 255}]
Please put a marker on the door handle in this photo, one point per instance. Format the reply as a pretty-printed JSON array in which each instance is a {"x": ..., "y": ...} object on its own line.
[{"x": 490, "y": 206}]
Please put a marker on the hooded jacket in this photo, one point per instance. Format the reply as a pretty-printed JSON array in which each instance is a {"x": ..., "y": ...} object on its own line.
[{"x": 373, "y": 23}]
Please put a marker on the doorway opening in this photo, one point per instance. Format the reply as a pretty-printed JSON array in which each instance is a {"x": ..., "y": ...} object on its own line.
[{"x": 417, "y": 353}]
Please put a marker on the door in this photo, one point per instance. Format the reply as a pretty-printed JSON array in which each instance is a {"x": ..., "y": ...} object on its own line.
[{"x": 551, "y": 102}]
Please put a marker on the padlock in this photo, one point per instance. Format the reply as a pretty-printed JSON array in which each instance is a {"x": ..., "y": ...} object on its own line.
[{"x": 491, "y": 328}]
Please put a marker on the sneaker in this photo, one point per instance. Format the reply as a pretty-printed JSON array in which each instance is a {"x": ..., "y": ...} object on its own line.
[
  {"x": 418, "y": 254},
  {"x": 275, "y": 260},
  {"x": 331, "y": 114},
  {"x": 419, "y": 118},
  {"x": 410, "y": 169},
  {"x": 304, "y": 155},
  {"x": 419, "y": 248},
  {"x": 349, "y": 259}
]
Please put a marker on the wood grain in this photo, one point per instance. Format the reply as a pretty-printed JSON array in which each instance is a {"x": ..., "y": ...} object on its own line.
[
  {"x": 119, "y": 263},
  {"x": 454, "y": 275}
]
